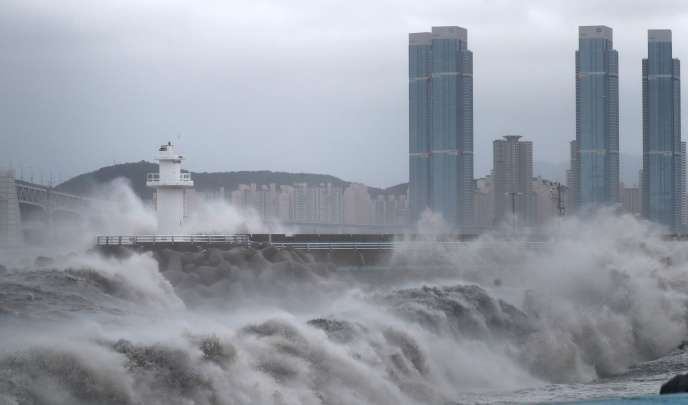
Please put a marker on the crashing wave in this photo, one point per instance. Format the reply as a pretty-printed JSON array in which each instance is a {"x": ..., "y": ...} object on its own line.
[{"x": 264, "y": 325}]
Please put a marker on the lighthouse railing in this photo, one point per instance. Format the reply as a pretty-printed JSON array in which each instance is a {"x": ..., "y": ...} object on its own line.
[{"x": 153, "y": 180}]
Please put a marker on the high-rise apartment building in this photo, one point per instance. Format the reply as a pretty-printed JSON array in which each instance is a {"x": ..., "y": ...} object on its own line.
[
  {"x": 483, "y": 203},
  {"x": 572, "y": 177},
  {"x": 513, "y": 174},
  {"x": 630, "y": 199},
  {"x": 420, "y": 121},
  {"x": 597, "y": 118},
  {"x": 441, "y": 125},
  {"x": 684, "y": 196},
  {"x": 661, "y": 184}
]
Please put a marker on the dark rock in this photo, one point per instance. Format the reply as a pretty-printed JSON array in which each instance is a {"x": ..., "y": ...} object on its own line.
[
  {"x": 214, "y": 350},
  {"x": 3, "y": 269},
  {"x": 190, "y": 281},
  {"x": 233, "y": 258},
  {"x": 42, "y": 261},
  {"x": 120, "y": 252},
  {"x": 269, "y": 253},
  {"x": 281, "y": 268},
  {"x": 678, "y": 384},
  {"x": 214, "y": 257},
  {"x": 191, "y": 257},
  {"x": 225, "y": 268},
  {"x": 208, "y": 275},
  {"x": 337, "y": 330},
  {"x": 171, "y": 262},
  {"x": 218, "y": 289},
  {"x": 258, "y": 263},
  {"x": 238, "y": 255},
  {"x": 189, "y": 268},
  {"x": 286, "y": 256},
  {"x": 304, "y": 256},
  {"x": 274, "y": 327},
  {"x": 175, "y": 277}
]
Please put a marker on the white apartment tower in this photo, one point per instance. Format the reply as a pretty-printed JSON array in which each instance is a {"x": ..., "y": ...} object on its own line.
[{"x": 513, "y": 174}]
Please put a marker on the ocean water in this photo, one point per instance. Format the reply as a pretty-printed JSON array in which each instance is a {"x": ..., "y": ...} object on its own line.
[
  {"x": 640, "y": 400},
  {"x": 596, "y": 316}
]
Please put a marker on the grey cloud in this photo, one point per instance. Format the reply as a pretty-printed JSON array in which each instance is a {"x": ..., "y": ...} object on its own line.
[{"x": 298, "y": 86}]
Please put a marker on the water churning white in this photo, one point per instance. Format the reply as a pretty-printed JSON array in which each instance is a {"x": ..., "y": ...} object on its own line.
[{"x": 481, "y": 323}]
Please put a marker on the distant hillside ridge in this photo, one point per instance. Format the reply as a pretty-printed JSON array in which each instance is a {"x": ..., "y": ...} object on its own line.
[{"x": 135, "y": 173}]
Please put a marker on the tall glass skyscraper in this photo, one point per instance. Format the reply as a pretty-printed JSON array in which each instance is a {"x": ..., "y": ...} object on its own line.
[
  {"x": 662, "y": 177},
  {"x": 597, "y": 118},
  {"x": 441, "y": 125}
]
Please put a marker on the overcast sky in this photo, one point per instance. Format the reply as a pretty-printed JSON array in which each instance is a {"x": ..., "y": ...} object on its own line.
[{"x": 300, "y": 85}]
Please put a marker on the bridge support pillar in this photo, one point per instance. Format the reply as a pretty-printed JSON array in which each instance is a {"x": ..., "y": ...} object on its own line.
[{"x": 10, "y": 218}]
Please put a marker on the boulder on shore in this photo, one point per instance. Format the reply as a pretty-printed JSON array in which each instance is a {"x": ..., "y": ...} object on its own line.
[{"x": 678, "y": 384}]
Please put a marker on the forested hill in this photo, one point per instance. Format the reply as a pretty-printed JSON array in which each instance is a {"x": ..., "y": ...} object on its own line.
[{"x": 135, "y": 173}]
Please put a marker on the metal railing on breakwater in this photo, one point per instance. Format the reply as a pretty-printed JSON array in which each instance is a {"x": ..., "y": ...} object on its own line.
[
  {"x": 296, "y": 242},
  {"x": 134, "y": 240}
]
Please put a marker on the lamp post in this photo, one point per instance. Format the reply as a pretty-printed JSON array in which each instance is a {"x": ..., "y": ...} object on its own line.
[{"x": 561, "y": 208}]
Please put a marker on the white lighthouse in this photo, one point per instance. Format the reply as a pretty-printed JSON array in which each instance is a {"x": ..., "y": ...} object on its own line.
[{"x": 170, "y": 185}]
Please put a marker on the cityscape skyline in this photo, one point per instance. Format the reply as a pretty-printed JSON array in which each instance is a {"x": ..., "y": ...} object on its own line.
[
  {"x": 57, "y": 88},
  {"x": 441, "y": 135},
  {"x": 441, "y": 132}
]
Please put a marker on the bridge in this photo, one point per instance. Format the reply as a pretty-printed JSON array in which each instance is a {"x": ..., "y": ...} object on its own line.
[{"x": 27, "y": 209}]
